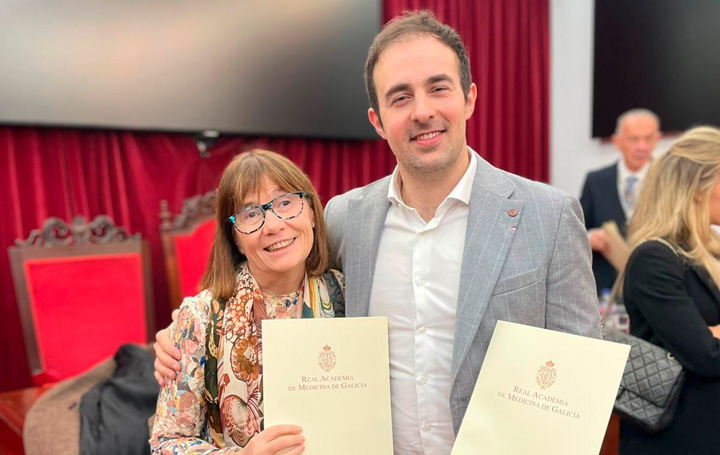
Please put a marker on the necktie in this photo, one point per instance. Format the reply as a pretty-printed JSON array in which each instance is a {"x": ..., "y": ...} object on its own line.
[{"x": 630, "y": 197}]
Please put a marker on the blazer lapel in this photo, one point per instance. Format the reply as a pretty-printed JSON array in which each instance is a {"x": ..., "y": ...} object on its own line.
[
  {"x": 366, "y": 218},
  {"x": 492, "y": 221}
]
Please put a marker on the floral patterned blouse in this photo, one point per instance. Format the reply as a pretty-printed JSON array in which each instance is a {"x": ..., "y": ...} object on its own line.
[{"x": 181, "y": 423}]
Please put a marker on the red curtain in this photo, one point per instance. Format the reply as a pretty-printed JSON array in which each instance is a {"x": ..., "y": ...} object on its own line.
[{"x": 66, "y": 172}]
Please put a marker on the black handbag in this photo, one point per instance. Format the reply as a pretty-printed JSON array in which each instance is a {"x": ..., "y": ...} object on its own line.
[
  {"x": 651, "y": 383},
  {"x": 650, "y": 386}
]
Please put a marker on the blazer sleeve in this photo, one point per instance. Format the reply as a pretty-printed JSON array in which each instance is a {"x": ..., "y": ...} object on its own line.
[
  {"x": 335, "y": 225},
  {"x": 586, "y": 203},
  {"x": 571, "y": 302},
  {"x": 655, "y": 284}
]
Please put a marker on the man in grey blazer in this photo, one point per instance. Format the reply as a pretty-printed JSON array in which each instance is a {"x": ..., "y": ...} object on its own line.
[{"x": 448, "y": 245}]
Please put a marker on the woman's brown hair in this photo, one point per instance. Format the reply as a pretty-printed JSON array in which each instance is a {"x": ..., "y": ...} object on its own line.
[{"x": 245, "y": 175}]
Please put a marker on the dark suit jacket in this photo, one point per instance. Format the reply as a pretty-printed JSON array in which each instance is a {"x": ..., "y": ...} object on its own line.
[
  {"x": 671, "y": 304},
  {"x": 600, "y": 203}
]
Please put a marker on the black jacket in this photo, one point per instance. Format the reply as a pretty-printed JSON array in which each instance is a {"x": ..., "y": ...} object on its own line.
[
  {"x": 671, "y": 304},
  {"x": 600, "y": 203},
  {"x": 114, "y": 413}
]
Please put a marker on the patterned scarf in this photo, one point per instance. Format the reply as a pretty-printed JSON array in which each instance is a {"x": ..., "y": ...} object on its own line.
[{"x": 233, "y": 370}]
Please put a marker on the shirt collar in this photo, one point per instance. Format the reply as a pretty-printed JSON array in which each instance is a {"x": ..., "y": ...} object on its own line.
[
  {"x": 461, "y": 192},
  {"x": 624, "y": 172}
]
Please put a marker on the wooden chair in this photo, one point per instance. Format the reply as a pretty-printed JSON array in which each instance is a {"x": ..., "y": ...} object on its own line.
[
  {"x": 82, "y": 290},
  {"x": 14, "y": 407},
  {"x": 187, "y": 241}
]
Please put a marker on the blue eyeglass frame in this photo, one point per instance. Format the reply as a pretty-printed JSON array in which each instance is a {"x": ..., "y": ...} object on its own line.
[{"x": 265, "y": 208}]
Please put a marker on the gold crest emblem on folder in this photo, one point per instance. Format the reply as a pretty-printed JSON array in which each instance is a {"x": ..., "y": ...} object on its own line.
[
  {"x": 546, "y": 375},
  {"x": 327, "y": 359}
]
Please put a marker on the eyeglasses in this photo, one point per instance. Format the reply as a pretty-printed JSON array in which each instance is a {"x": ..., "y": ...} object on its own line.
[{"x": 285, "y": 207}]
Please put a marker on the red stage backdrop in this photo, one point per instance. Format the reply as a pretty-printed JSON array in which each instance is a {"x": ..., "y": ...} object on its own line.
[{"x": 66, "y": 172}]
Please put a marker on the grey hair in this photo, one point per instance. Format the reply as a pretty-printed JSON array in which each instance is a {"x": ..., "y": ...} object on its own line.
[{"x": 636, "y": 112}]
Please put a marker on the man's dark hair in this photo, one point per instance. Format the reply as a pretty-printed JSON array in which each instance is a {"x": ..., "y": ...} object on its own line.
[{"x": 409, "y": 25}]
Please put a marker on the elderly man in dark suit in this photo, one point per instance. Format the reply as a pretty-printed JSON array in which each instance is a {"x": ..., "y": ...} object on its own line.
[{"x": 610, "y": 193}]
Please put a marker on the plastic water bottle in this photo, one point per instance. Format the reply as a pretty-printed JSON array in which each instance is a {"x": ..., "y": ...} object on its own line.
[{"x": 621, "y": 318}]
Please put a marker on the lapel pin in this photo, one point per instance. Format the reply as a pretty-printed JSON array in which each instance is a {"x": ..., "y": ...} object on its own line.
[{"x": 512, "y": 212}]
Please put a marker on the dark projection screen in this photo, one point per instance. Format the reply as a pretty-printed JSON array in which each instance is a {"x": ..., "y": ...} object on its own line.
[
  {"x": 663, "y": 55},
  {"x": 267, "y": 67}
]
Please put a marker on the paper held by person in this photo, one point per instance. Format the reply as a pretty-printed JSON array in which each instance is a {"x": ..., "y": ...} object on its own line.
[
  {"x": 542, "y": 392},
  {"x": 618, "y": 250},
  {"x": 331, "y": 377}
]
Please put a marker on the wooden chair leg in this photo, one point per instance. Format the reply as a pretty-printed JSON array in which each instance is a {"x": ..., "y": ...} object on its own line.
[
  {"x": 612, "y": 436},
  {"x": 14, "y": 406}
]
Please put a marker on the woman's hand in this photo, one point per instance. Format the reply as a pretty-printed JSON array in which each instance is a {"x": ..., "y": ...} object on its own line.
[
  {"x": 276, "y": 438},
  {"x": 166, "y": 355},
  {"x": 715, "y": 329}
]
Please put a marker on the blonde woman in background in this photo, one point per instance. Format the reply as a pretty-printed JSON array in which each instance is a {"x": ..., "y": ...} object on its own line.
[{"x": 671, "y": 291}]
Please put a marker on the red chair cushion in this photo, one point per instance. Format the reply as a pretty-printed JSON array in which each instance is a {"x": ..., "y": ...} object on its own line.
[{"x": 84, "y": 308}]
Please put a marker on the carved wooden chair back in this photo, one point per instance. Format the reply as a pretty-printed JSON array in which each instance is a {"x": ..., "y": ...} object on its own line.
[
  {"x": 82, "y": 290},
  {"x": 187, "y": 240}
]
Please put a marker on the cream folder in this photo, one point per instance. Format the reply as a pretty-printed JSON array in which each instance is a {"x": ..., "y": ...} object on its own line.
[
  {"x": 331, "y": 377},
  {"x": 541, "y": 392}
]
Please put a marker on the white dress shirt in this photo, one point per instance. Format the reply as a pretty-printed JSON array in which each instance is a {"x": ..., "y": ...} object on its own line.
[
  {"x": 416, "y": 285},
  {"x": 623, "y": 174}
]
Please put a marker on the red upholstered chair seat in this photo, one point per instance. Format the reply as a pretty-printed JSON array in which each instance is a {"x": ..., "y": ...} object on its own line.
[{"x": 80, "y": 302}]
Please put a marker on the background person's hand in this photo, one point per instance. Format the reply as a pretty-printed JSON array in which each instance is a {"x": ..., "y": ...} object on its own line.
[
  {"x": 598, "y": 240},
  {"x": 275, "y": 439},
  {"x": 166, "y": 355},
  {"x": 715, "y": 329}
]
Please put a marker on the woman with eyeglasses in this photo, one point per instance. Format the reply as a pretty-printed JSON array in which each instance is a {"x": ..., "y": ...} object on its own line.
[{"x": 269, "y": 260}]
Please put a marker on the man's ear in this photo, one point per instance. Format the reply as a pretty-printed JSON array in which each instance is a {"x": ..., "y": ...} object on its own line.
[
  {"x": 470, "y": 103},
  {"x": 376, "y": 122}
]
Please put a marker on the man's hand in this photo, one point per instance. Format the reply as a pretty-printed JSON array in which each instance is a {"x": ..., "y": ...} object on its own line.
[
  {"x": 166, "y": 355},
  {"x": 276, "y": 439},
  {"x": 598, "y": 240},
  {"x": 715, "y": 329}
]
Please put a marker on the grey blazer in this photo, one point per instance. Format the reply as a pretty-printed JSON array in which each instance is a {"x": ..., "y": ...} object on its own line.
[{"x": 526, "y": 260}]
